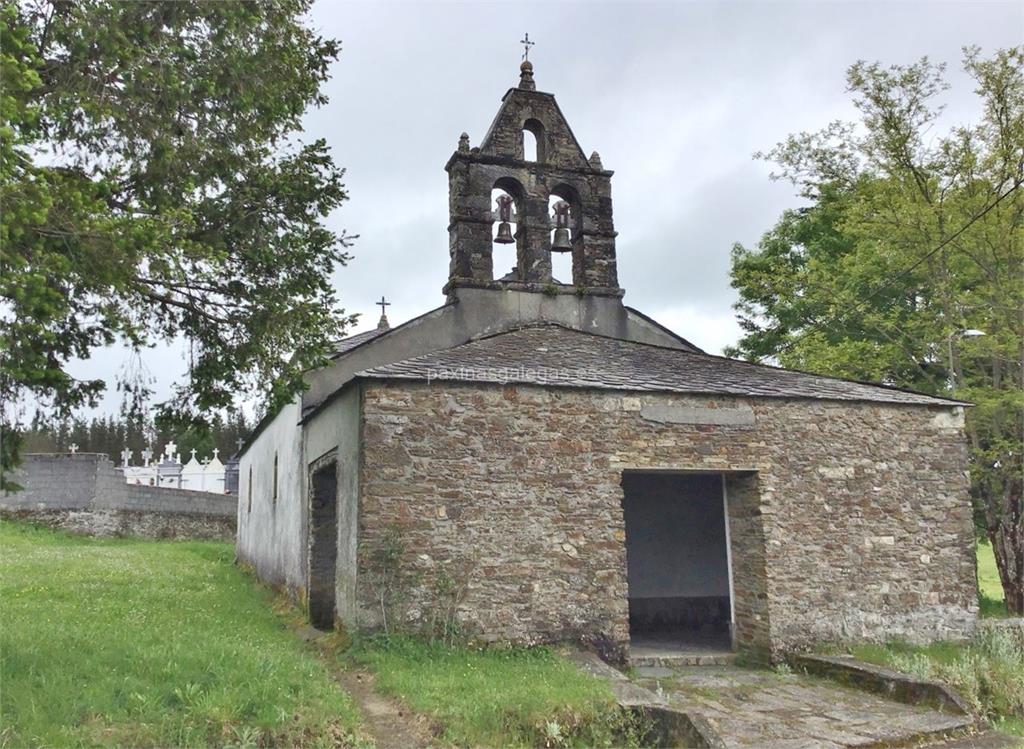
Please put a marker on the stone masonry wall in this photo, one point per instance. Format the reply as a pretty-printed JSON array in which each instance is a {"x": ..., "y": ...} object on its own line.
[
  {"x": 848, "y": 520},
  {"x": 85, "y": 493},
  {"x": 749, "y": 562}
]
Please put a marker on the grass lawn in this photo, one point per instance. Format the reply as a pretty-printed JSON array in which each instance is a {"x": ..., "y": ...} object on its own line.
[
  {"x": 159, "y": 643},
  {"x": 990, "y": 590},
  {"x": 151, "y": 643},
  {"x": 499, "y": 697}
]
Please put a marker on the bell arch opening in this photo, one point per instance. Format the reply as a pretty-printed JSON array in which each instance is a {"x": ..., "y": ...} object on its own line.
[
  {"x": 560, "y": 216},
  {"x": 566, "y": 237},
  {"x": 506, "y": 198}
]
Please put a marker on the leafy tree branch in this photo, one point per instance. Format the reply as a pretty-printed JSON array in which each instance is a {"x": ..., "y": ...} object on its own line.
[
  {"x": 153, "y": 187},
  {"x": 912, "y": 244}
]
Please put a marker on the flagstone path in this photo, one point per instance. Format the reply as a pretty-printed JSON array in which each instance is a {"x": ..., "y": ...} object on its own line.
[{"x": 768, "y": 710}]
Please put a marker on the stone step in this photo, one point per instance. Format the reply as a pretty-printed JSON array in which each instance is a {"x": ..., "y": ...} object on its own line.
[
  {"x": 987, "y": 740},
  {"x": 673, "y": 660}
]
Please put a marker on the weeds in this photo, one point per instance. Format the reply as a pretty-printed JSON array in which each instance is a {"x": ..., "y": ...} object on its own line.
[
  {"x": 389, "y": 578},
  {"x": 448, "y": 593},
  {"x": 394, "y": 583},
  {"x": 988, "y": 672}
]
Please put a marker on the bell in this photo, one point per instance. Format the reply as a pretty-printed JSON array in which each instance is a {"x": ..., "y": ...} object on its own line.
[
  {"x": 561, "y": 242},
  {"x": 505, "y": 215},
  {"x": 504, "y": 233}
]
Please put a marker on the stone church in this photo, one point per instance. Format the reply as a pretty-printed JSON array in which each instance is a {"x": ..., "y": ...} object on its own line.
[{"x": 582, "y": 472}]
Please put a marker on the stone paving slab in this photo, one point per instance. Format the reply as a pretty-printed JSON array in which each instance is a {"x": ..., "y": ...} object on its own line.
[{"x": 767, "y": 710}]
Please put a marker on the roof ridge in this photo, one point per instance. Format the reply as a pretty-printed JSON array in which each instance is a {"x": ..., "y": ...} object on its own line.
[
  {"x": 380, "y": 333},
  {"x": 355, "y": 335}
]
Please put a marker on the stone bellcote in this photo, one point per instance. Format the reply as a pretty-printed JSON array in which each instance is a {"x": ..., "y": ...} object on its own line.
[{"x": 560, "y": 170}]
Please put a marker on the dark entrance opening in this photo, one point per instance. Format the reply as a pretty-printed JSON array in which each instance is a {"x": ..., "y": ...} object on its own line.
[
  {"x": 323, "y": 555},
  {"x": 677, "y": 561}
]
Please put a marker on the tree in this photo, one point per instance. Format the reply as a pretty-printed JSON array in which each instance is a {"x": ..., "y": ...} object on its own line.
[
  {"x": 911, "y": 247},
  {"x": 112, "y": 434},
  {"x": 153, "y": 187}
]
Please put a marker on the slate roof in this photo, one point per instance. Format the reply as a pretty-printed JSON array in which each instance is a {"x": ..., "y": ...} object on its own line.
[
  {"x": 347, "y": 344},
  {"x": 556, "y": 356}
]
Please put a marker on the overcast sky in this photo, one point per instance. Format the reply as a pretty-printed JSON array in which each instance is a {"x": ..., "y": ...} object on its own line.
[{"x": 676, "y": 97}]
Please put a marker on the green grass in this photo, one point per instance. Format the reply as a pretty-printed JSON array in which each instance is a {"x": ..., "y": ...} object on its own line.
[
  {"x": 988, "y": 672},
  {"x": 498, "y": 697},
  {"x": 990, "y": 589},
  {"x": 151, "y": 643}
]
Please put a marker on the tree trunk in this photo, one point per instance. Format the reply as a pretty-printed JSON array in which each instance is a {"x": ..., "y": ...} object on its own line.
[{"x": 1007, "y": 537}]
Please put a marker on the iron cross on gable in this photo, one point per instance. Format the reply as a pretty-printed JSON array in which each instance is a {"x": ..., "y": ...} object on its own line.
[
  {"x": 383, "y": 304},
  {"x": 525, "y": 41}
]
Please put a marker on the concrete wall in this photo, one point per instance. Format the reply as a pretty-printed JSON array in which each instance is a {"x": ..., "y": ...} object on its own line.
[
  {"x": 272, "y": 533},
  {"x": 87, "y": 493},
  {"x": 848, "y": 521}
]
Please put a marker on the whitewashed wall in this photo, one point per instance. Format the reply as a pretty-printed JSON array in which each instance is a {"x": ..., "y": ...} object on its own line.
[
  {"x": 337, "y": 428},
  {"x": 272, "y": 535}
]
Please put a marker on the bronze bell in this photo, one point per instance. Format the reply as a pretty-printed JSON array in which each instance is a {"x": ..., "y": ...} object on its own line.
[
  {"x": 561, "y": 242},
  {"x": 504, "y": 215},
  {"x": 504, "y": 233}
]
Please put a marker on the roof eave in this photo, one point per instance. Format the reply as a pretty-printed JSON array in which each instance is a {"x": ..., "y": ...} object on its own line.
[{"x": 369, "y": 375}]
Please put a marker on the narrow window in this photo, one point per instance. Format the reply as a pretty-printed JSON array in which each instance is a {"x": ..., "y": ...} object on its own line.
[
  {"x": 250, "y": 490},
  {"x": 533, "y": 140},
  {"x": 275, "y": 478},
  {"x": 529, "y": 146}
]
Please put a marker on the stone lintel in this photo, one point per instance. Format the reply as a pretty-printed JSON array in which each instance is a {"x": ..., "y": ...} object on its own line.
[{"x": 742, "y": 416}]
